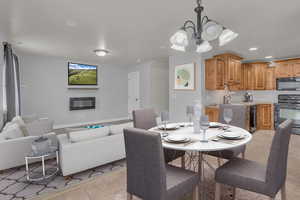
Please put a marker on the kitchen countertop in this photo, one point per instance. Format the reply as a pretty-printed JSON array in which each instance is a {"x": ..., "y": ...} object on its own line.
[{"x": 242, "y": 103}]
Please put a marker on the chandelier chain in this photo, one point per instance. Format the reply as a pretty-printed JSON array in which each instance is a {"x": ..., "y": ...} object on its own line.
[{"x": 199, "y": 2}]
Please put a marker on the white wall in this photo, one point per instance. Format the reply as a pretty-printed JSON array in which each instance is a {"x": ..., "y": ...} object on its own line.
[
  {"x": 153, "y": 84},
  {"x": 44, "y": 91},
  {"x": 178, "y": 99},
  {"x": 160, "y": 85}
]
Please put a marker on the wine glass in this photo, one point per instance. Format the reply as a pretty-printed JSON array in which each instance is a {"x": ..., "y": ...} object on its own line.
[
  {"x": 227, "y": 115},
  {"x": 165, "y": 119},
  {"x": 204, "y": 125},
  {"x": 190, "y": 113}
]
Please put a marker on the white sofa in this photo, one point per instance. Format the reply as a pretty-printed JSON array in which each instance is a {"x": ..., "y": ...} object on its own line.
[
  {"x": 87, "y": 149},
  {"x": 12, "y": 151}
]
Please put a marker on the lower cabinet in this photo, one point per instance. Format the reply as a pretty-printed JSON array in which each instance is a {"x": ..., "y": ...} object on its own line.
[
  {"x": 212, "y": 113},
  {"x": 265, "y": 117}
]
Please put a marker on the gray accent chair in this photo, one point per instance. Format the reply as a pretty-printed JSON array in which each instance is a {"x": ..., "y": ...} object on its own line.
[
  {"x": 255, "y": 177},
  {"x": 148, "y": 176},
  {"x": 146, "y": 119},
  {"x": 239, "y": 120}
]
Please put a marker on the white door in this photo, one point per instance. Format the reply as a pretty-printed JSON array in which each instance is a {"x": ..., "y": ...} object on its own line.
[{"x": 133, "y": 92}]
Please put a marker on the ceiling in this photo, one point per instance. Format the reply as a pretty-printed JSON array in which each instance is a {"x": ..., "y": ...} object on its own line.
[{"x": 139, "y": 30}]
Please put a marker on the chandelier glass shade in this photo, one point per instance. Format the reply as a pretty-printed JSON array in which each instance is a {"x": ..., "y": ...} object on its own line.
[{"x": 204, "y": 31}]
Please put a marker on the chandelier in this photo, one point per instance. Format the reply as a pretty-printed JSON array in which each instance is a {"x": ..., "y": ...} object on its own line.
[{"x": 205, "y": 31}]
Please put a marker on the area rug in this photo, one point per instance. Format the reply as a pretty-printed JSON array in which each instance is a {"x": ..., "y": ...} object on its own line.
[
  {"x": 112, "y": 186},
  {"x": 14, "y": 186}
]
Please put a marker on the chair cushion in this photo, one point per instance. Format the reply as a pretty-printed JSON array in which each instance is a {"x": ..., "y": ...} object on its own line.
[
  {"x": 179, "y": 182},
  {"x": 244, "y": 174},
  {"x": 228, "y": 153}
]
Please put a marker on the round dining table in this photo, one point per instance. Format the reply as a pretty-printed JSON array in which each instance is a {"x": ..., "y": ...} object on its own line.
[{"x": 194, "y": 145}]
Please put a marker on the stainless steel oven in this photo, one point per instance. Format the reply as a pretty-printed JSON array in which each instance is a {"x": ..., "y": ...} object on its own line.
[
  {"x": 288, "y": 84},
  {"x": 288, "y": 107}
]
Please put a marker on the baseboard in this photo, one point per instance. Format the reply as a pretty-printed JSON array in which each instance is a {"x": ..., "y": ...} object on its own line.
[{"x": 59, "y": 126}]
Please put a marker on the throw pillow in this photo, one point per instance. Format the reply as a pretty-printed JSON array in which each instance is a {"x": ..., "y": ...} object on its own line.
[
  {"x": 12, "y": 132},
  {"x": 35, "y": 128},
  {"x": 21, "y": 124},
  {"x": 29, "y": 118}
]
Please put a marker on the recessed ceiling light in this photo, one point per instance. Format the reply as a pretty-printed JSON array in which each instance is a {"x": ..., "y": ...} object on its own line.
[
  {"x": 101, "y": 52},
  {"x": 268, "y": 57},
  {"x": 71, "y": 23},
  {"x": 253, "y": 49}
]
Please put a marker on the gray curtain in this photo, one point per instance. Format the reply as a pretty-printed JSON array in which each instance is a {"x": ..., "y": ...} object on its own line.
[{"x": 11, "y": 84}]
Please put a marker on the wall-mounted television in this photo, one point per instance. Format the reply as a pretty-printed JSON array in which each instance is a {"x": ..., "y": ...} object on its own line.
[{"x": 82, "y": 74}]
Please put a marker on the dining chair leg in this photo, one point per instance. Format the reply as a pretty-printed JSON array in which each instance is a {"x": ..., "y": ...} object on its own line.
[
  {"x": 233, "y": 193},
  {"x": 183, "y": 162},
  {"x": 243, "y": 155},
  {"x": 283, "y": 192},
  {"x": 196, "y": 193},
  {"x": 219, "y": 162},
  {"x": 218, "y": 191},
  {"x": 129, "y": 196}
]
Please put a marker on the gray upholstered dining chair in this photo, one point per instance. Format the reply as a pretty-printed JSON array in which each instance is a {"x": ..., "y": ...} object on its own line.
[
  {"x": 148, "y": 176},
  {"x": 255, "y": 177},
  {"x": 239, "y": 120},
  {"x": 146, "y": 119}
]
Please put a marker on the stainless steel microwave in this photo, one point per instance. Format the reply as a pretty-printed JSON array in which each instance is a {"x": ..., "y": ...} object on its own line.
[{"x": 288, "y": 84}]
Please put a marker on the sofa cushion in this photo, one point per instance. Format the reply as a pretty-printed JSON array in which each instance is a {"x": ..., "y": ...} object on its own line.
[
  {"x": 38, "y": 127},
  {"x": 90, "y": 134},
  {"x": 118, "y": 129},
  {"x": 11, "y": 132}
]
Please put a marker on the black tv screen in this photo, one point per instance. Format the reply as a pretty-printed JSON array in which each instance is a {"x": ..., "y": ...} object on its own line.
[{"x": 82, "y": 74}]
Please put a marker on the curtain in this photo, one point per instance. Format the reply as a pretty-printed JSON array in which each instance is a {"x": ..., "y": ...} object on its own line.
[{"x": 11, "y": 91}]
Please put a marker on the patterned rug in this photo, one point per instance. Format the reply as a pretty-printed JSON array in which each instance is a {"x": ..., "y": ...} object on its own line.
[
  {"x": 112, "y": 186},
  {"x": 14, "y": 186}
]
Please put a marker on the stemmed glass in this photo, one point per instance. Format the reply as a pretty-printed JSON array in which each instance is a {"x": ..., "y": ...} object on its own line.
[
  {"x": 204, "y": 125},
  {"x": 227, "y": 115},
  {"x": 190, "y": 113},
  {"x": 165, "y": 119}
]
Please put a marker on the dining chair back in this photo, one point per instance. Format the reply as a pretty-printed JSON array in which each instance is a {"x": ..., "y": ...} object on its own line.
[
  {"x": 277, "y": 161},
  {"x": 144, "y": 118},
  {"x": 148, "y": 177},
  {"x": 239, "y": 114},
  {"x": 146, "y": 173},
  {"x": 253, "y": 176}
]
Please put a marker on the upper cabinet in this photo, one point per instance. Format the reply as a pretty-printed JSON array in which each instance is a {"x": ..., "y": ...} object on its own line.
[
  {"x": 270, "y": 79},
  {"x": 288, "y": 68},
  {"x": 214, "y": 74},
  {"x": 227, "y": 69},
  {"x": 247, "y": 77},
  {"x": 223, "y": 69}
]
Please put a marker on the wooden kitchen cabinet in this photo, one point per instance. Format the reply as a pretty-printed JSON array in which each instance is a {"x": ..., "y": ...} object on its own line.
[
  {"x": 223, "y": 69},
  {"x": 214, "y": 74},
  {"x": 247, "y": 78},
  {"x": 259, "y": 75},
  {"x": 270, "y": 78},
  {"x": 284, "y": 70},
  {"x": 212, "y": 113},
  {"x": 296, "y": 68},
  {"x": 265, "y": 117}
]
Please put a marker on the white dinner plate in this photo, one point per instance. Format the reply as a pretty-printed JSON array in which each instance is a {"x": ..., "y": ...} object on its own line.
[
  {"x": 231, "y": 135},
  {"x": 177, "y": 139},
  {"x": 169, "y": 127}
]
